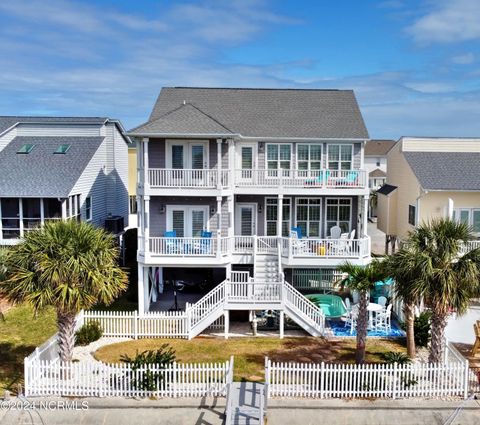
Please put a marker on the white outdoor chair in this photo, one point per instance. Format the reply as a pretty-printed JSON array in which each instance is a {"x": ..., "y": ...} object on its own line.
[
  {"x": 299, "y": 246},
  {"x": 335, "y": 232},
  {"x": 352, "y": 234},
  {"x": 383, "y": 320},
  {"x": 351, "y": 319},
  {"x": 348, "y": 305},
  {"x": 382, "y": 301},
  {"x": 355, "y": 297}
]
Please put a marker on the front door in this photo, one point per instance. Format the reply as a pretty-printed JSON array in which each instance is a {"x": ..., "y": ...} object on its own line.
[
  {"x": 245, "y": 222},
  {"x": 190, "y": 159},
  {"x": 187, "y": 221},
  {"x": 246, "y": 162}
]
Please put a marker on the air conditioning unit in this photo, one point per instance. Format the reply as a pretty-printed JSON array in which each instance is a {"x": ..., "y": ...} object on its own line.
[{"x": 114, "y": 224}]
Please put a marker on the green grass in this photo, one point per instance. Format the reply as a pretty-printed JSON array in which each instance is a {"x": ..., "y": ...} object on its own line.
[
  {"x": 250, "y": 352},
  {"x": 20, "y": 333}
]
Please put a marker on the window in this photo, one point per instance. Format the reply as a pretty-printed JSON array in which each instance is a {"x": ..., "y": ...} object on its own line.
[
  {"x": 271, "y": 216},
  {"x": 187, "y": 221},
  {"x": 132, "y": 208},
  {"x": 340, "y": 157},
  {"x": 62, "y": 149},
  {"x": 10, "y": 218},
  {"x": 309, "y": 213},
  {"x": 469, "y": 216},
  {"x": 88, "y": 208},
  {"x": 309, "y": 157},
  {"x": 339, "y": 213},
  {"x": 378, "y": 162},
  {"x": 177, "y": 156},
  {"x": 31, "y": 213},
  {"x": 26, "y": 149},
  {"x": 279, "y": 156},
  {"x": 411, "y": 215}
]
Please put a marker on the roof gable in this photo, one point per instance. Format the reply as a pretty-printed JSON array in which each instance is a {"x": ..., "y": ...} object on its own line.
[
  {"x": 260, "y": 113},
  {"x": 378, "y": 147}
]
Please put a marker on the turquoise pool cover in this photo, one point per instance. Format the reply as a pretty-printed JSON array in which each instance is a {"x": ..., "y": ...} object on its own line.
[{"x": 331, "y": 305}]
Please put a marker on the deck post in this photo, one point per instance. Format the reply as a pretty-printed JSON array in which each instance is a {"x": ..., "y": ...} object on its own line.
[
  {"x": 219, "y": 164},
  {"x": 279, "y": 215},
  {"x": 141, "y": 296},
  {"x": 282, "y": 323},
  {"x": 226, "y": 315},
  {"x": 219, "y": 226}
]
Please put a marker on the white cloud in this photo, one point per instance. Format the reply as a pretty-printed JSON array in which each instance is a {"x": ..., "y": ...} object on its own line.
[
  {"x": 430, "y": 86},
  {"x": 464, "y": 59},
  {"x": 450, "y": 21}
]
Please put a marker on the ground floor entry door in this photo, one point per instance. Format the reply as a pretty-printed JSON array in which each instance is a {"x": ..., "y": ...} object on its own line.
[{"x": 245, "y": 219}]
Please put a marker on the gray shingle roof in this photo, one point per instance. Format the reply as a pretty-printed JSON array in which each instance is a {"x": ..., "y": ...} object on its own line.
[
  {"x": 265, "y": 112},
  {"x": 41, "y": 173},
  {"x": 378, "y": 147},
  {"x": 7, "y": 121},
  {"x": 186, "y": 119},
  {"x": 446, "y": 170},
  {"x": 377, "y": 173}
]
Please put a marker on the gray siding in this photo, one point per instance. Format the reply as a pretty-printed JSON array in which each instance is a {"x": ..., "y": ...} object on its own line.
[
  {"x": 7, "y": 138},
  {"x": 158, "y": 221},
  {"x": 121, "y": 171},
  {"x": 156, "y": 153},
  {"x": 51, "y": 130}
]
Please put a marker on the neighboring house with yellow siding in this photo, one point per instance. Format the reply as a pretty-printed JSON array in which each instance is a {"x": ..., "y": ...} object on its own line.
[{"x": 429, "y": 178}]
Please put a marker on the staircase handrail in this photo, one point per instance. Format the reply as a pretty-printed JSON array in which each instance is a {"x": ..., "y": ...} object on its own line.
[
  {"x": 294, "y": 299},
  {"x": 207, "y": 304}
]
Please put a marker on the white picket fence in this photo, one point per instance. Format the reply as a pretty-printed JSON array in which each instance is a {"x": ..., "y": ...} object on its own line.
[
  {"x": 55, "y": 378},
  {"x": 369, "y": 380}
]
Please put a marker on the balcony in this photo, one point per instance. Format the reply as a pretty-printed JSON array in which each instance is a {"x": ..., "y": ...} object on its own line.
[
  {"x": 306, "y": 251},
  {"x": 331, "y": 179},
  {"x": 188, "y": 178}
]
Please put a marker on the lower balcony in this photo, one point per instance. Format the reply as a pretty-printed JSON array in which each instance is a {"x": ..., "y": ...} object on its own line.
[{"x": 293, "y": 251}]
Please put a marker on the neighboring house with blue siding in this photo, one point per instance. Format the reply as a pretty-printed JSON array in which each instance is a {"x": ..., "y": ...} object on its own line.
[{"x": 61, "y": 167}]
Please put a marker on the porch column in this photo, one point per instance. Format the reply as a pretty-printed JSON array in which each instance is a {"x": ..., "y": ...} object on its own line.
[
  {"x": 146, "y": 222},
  {"x": 64, "y": 208},
  {"x": 141, "y": 296},
  {"x": 226, "y": 315},
  {"x": 146, "y": 181},
  {"x": 219, "y": 226},
  {"x": 219, "y": 164},
  {"x": 279, "y": 215},
  {"x": 20, "y": 215},
  {"x": 146, "y": 289},
  {"x": 231, "y": 162},
  {"x": 365, "y": 215},
  {"x": 231, "y": 218},
  {"x": 282, "y": 324},
  {"x": 42, "y": 212}
]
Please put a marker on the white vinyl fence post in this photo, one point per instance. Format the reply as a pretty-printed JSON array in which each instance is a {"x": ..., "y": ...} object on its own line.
[
  {"x": 394, "y": 389},
  {"x": 135, "y": 324}
]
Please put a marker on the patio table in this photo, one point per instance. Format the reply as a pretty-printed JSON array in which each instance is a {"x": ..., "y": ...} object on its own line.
[{"x": 371, "y": 308}]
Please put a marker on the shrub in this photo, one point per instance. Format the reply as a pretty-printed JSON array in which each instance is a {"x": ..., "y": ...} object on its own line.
[
  {"x": 88, "y": 333},
  {"x": 147, "y": 360},
  {"x": 396, "y": 357},
  {"x": 422, "y": 328}
]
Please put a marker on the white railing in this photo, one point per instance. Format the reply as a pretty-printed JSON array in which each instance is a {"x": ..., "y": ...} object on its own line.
[
  {"x": 303, "y": 307},
  {"x": 301, "y": 178},
  {"x": 326, "y": 248},
  {"x": 239, "y": 276},
  {"x": 174, "y": 246},
  {"x": 90, "y": 378},
  {"x": 368, "y": 380},
  {"x": 188, "y": 178},
  {"x": 469, "y": 246},
  {"x": 206, "y": 306},
  {"x": 267, "y": 244},
  {"x": 243, "y": 244},
  {"x": 252, "y": 293},
  {"x": 164, "y": 324}
]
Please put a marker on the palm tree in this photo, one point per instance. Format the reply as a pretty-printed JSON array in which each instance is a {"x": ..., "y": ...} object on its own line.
[
  {"x": 398, "y": 267},
  {"x": 435, "y": 270},
  {"x": 362, "y": 279},
  {"x": 3, "y": 263},
  {"x": 68, "y": 265}
]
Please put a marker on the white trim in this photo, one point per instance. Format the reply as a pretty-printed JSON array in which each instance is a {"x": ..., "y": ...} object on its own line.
[
  {"x": 351, "y": 208},
  {"x": 238, "y": 224},
  {"x": 187, "y": 157},
  {"x": 187, "y": 222},
  {"x": 308, "y": 221}
]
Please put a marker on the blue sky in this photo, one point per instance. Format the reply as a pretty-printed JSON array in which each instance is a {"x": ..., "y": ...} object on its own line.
[{"x": 414, "y": 65}]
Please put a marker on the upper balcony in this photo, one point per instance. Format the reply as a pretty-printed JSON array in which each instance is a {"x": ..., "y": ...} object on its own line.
[
  {"x": 243, "y": 249},
  {"x": 300, "y": 181},
  {"x": 261, "y": 181}
]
